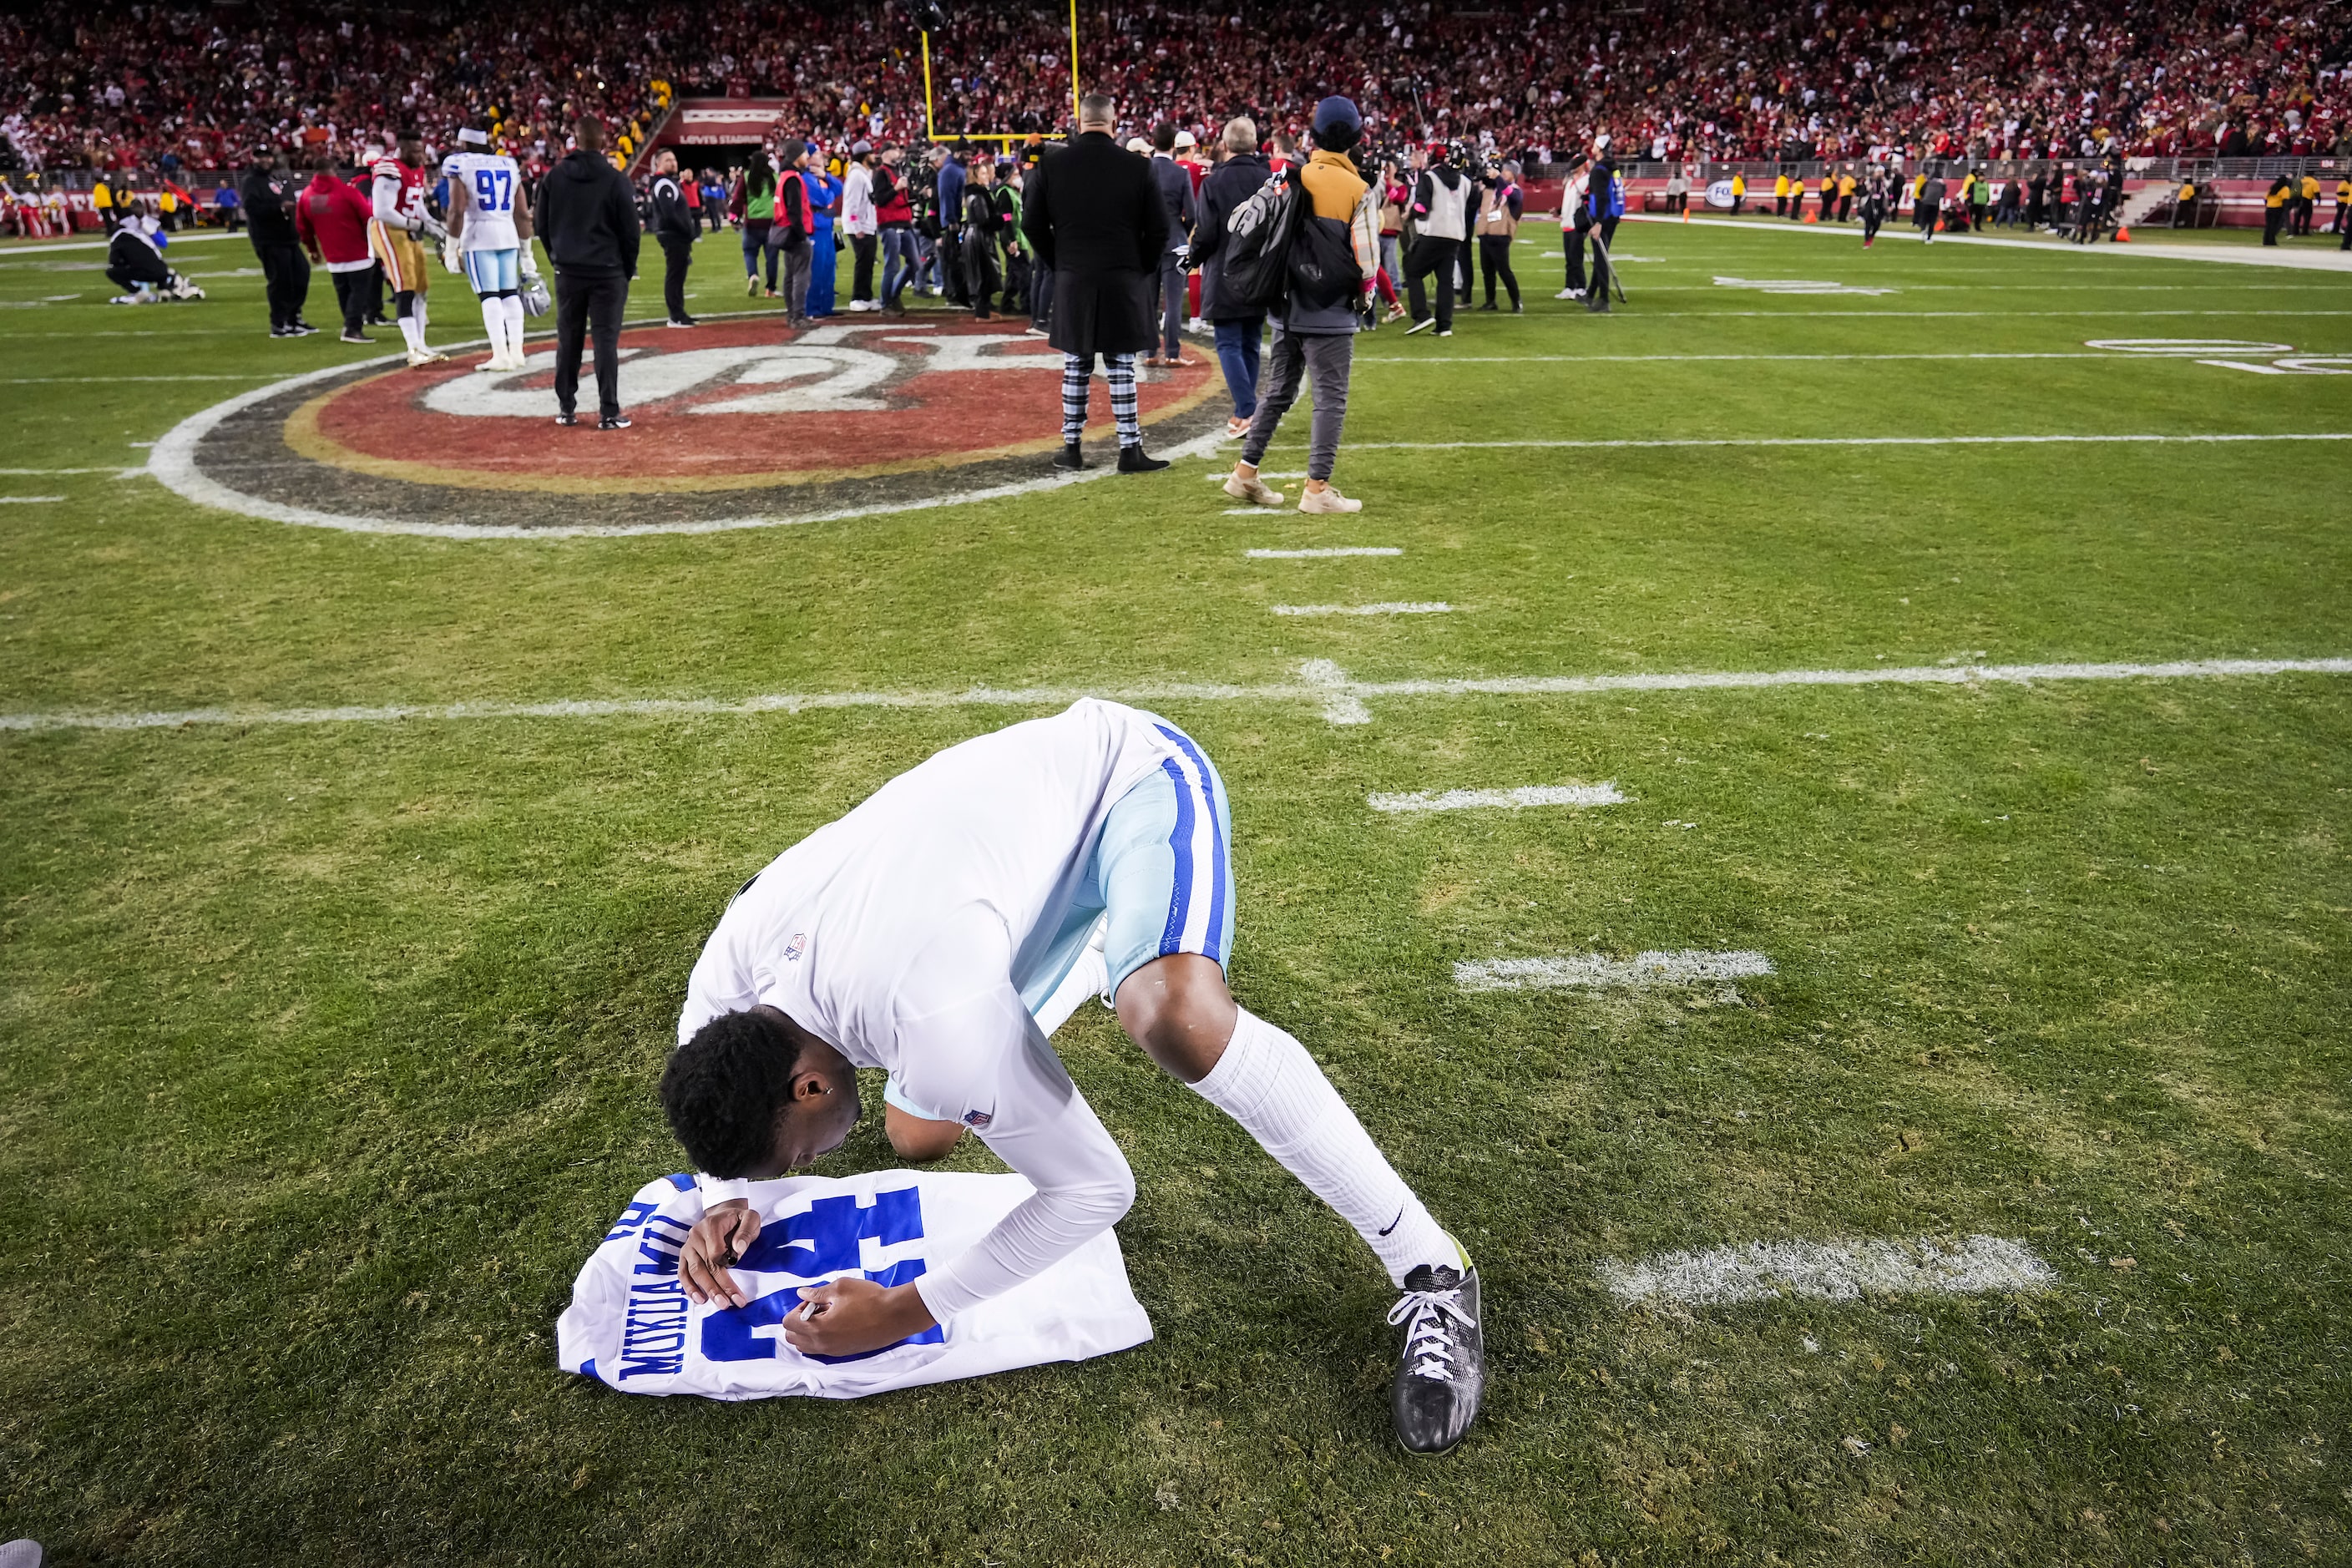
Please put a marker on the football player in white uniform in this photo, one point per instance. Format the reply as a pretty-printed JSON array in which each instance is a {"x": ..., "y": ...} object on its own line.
[
  {"x": 490, "y": 240},
  {"x": 937, "y": 932},
  {"x": 395, "y": 233}
]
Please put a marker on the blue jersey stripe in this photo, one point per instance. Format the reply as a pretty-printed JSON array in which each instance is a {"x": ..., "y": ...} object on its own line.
[
  {"x": 1180, "y": 844},
  {"x": 1216, "y": 841}
]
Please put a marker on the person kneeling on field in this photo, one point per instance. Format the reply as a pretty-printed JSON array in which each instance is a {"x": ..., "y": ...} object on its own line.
[
  {"x": 1332, "y": 260},
  {"x": 135, "y": 264},
  {"x": 932, "y": 935}
]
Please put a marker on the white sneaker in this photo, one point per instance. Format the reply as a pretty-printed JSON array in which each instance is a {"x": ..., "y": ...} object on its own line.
[
  {"x": 1421, "y": 326},
  {"x": 418, "y": 357},
  {"x": 1570, "y": 294},
  {"x": 490, "y": 366},
  {"x": 1196, "y": 325},
  {"x": 1252, "y": 489},
  {"x": 1327, "y": 498}
]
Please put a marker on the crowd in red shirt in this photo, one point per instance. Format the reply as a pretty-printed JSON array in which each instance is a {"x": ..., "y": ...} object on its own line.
[{"x": 115, "y": 85}]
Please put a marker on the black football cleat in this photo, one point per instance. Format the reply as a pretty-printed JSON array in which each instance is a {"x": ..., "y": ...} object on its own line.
[
  {"x": 1073, "y": 457},
  {"x": 567, "y": 420},
  {"x": 613, "y": 421},
  {"x": 1441, "y": 1364},
  {"x": 1135, "y": 460}
]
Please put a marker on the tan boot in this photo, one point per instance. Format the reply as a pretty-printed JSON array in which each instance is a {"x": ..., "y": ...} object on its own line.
[
  {"x": 1327, "y": 498},
  {"x": 1252, "y": 489}
]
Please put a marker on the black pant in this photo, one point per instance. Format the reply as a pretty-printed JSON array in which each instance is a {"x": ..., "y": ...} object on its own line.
[
  {"x": 862, "y": 247},
  {"x": 1873, "y": 215},
  {"x": 1596, "y": 297},
  {"x": 2271, "y": 220},
  {"x": 355, "y": 294},
  {"x": 1432, "y": 257},
  {"x": 979, "y": 274},
  {"x": 1571, "y": 249},
  {"x": 1494, "y": 258},
  {"x": 677, "y": 255},
  {"x": 288, "y": 272},
  {"x": 582, "y": 304}
]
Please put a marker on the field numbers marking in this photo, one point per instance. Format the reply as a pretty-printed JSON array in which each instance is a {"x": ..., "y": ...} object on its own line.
[
  {"x": 1598, "y": 971},
  {"x": 1500, "y": 799},
  {"x": 1845, "y": 1270},
  {"x": 1334, "y": 551},
  {"x": 1389, "y": 607}
]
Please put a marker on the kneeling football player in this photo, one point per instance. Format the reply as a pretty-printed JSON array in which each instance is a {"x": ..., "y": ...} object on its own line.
[{"x": 923, "y": 933}]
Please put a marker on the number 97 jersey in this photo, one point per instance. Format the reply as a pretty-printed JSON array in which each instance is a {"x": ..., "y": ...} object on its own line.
[{"x": 492, "y": 186}]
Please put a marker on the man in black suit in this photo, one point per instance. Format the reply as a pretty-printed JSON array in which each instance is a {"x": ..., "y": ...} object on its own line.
[
  {"x": 1094, "y": 216},
  {"x": 588, "y": 216}
]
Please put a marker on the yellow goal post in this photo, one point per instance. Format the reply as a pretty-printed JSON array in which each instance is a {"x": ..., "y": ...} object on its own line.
[{"x": 930, "y": 118}]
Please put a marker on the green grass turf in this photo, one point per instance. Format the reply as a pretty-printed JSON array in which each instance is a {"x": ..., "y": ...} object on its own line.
[{"x": 329, "y": 1049}]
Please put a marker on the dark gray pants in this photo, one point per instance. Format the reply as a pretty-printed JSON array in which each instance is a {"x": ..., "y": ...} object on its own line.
[
  {"x": 1293, "y": 356},
  {"x": 1171, "y": 305}
]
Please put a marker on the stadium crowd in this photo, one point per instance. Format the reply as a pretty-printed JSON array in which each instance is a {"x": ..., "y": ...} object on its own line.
[{"x": 165, "y": 86}]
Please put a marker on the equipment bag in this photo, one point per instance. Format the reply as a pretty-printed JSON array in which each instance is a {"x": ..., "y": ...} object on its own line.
[
  {"x": 1323, "y": 270},
  {"x": 1254, "y": 266}
]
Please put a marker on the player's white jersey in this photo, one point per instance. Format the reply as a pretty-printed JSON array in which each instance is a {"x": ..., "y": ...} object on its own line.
[
  {"x": 493, "y": 184},
  {"x": 895, "y": 935}
]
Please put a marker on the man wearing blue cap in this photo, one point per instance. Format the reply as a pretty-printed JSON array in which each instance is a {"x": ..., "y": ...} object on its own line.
[{"x": 1332, "y": 261}]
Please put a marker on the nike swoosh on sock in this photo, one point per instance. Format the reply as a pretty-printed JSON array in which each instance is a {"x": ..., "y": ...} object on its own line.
[{"x": 1394, "y": 1223}]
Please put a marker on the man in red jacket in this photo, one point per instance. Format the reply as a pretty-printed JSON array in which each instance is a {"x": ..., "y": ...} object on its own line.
[{"x": 331, "y": 217}]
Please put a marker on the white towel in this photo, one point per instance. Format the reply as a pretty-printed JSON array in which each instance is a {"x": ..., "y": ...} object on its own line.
[{"x": 631, "y": 1327}]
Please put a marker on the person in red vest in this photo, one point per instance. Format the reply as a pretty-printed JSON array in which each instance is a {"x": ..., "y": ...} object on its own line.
[{"x": 330, "y": 217}]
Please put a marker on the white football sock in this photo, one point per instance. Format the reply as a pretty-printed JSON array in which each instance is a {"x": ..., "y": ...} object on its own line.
[
  {"x": 494, "y": 322},
  {"x": 413, "y": 331},
  {"x": 1268, "y": 1083},
  {"x": 513, "y": 302}
]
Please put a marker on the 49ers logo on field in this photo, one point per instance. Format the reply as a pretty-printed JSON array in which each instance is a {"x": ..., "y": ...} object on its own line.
[{"x": 740, "y": 424}]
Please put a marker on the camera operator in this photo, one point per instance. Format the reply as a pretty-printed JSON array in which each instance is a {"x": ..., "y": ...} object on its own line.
[
  {"x": 1500, "y": 204},
  {"x": 1440, "y": 211}
]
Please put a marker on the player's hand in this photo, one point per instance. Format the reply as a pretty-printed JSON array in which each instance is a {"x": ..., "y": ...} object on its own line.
[
  {"x": 705, "y": 1263},
  {"x": 851, "y": 1316}
]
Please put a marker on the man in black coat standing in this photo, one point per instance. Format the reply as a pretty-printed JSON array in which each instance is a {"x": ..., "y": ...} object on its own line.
[
  {"x": 675, "y": 226},
  {"x": 1240, "y": 327},
  {"x": 587, "y": 218},
  {"x": 267, "y": 195},
  {"x": 1094, "y": 216}
]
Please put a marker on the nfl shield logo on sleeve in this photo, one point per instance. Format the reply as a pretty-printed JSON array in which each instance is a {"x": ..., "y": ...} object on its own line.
[{"x": 977, "y": 1119}]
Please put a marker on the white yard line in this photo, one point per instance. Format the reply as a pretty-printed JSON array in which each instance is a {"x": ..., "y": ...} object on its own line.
[
  {"x": 1219, "y": 476},
  {"x": 1841, "y": 1270},
  {"x": 9, "y": 253},
  {"x": 27, "y": 501},
  {"x": 1846, "y": 441},
  {"x": 1598, "y": 971},
  {"x": 1499, "y": 799},
  {"x": 1388, "y": 607},
  {"x": 2328, "y": 260},
  {"x": 111, "y": 379},
  {"x": 131, "y": 473},
  {"x": 1244, "y": 510},
  {"x": 1333, "y": 552},
  {"x": 1320, "y": 681}
]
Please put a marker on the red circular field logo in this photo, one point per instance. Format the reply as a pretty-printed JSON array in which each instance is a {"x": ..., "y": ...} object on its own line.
[{"x": 738, "y": 424}]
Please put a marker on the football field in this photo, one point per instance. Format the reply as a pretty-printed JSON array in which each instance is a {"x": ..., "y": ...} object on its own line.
[{"x": 1808, "y": 815}]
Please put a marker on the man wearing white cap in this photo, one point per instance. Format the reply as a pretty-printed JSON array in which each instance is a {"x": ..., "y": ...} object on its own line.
[{"x": 861, "y": 221}]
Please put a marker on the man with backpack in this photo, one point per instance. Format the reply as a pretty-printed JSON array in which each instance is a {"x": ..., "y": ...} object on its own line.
[
  {"x": 1094, "y": 217},
  {"x": 1239, "y": 325},
  {"x": 1334, "y": 249}
]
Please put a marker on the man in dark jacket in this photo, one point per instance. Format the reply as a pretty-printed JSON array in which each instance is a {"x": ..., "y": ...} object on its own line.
[
  {"x": 1094, "y": 216},
  {"x": 1176, "y": 193},
  {"x": 1239, "y": 328},
  {"x": 675, "y": 226},
  {"x": 587, "y": 218},
  {"x": 267, "y": 193}
]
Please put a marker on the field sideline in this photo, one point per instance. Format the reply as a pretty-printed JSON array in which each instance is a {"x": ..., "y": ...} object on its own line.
[{"x": 1889, "y": 1057}]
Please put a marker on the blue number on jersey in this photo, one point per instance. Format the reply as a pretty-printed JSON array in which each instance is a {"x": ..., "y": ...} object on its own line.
[{"x": 494, "y": 190}]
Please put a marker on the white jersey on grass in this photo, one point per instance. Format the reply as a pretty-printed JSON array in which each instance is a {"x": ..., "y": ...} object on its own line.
[
  {"x": 631, "y": 1327},
  {"x": 492, "y": 185},
  {"x": 901, "y": 934}
]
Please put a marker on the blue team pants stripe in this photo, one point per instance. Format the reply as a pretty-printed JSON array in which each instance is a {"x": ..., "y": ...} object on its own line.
[
  {"x": 1203, "y": 783},
  {"x": 1179, "y": 846}
]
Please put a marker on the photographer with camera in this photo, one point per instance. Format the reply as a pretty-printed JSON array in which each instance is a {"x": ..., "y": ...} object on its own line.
[{"x": 1500, "y": 204}]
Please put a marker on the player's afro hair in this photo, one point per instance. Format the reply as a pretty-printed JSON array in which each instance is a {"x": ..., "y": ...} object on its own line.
[{"x": 723, "y": 1088}]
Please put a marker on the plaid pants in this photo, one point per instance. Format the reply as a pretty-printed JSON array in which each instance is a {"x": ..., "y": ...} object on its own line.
[{"x": 1119, "y": 371}]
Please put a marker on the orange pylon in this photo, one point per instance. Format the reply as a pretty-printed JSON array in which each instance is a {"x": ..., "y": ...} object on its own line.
[{"x": 2122, "y": 235}]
